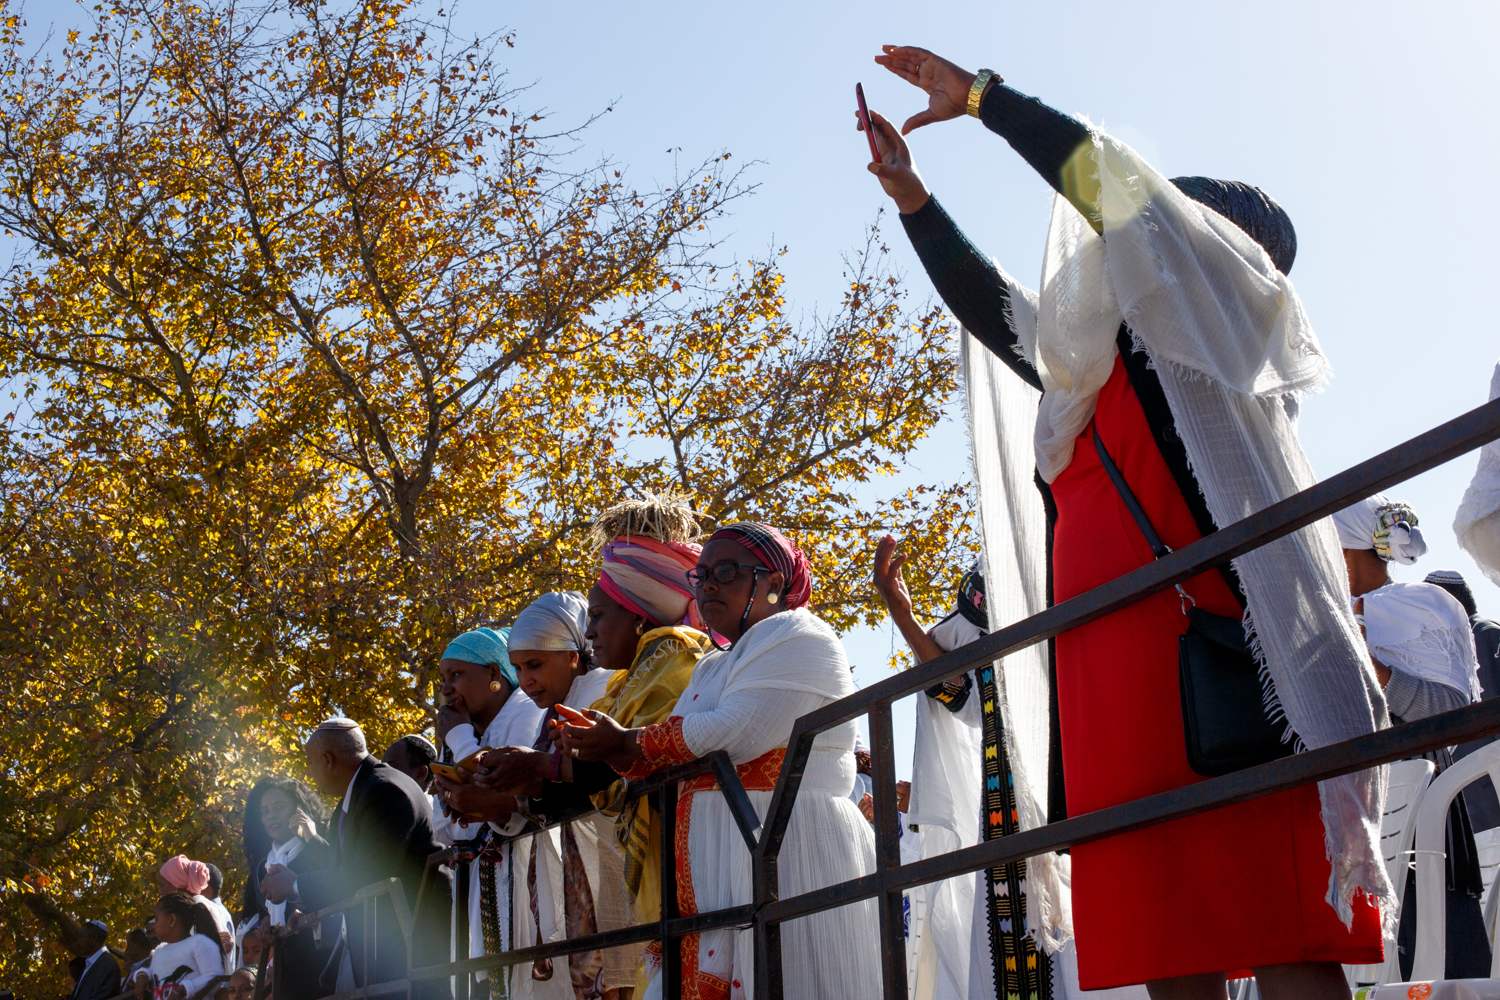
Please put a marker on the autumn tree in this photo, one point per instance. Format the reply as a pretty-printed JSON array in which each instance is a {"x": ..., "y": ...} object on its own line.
[{"x": 324, "y": 346}]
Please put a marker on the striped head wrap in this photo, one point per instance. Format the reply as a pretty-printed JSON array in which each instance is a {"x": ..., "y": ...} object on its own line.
[
  {"x": 778, "y": 553},
  {"x": 649, "y": 578}
]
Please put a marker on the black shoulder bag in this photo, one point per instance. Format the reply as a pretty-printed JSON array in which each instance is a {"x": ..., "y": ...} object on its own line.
[{"x": 1224, "y": 717}]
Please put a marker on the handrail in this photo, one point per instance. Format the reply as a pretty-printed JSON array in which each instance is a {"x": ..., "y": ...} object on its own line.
[{"x": 767, "y": 911}]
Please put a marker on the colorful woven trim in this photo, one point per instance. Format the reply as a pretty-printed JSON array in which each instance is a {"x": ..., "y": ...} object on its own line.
[
  {"x": 1021, "y": 972},
  {"x": 1386, "y": 518},
  {"x": 952, "y": 695},
  {"x": 758, "y": 775}
]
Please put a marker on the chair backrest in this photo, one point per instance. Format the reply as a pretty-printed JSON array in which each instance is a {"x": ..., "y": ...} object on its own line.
[
  {"x": 1488, "y": 843},
  {"x": 1405, "y": 792},
  {"x": 1432, "y": 882}
]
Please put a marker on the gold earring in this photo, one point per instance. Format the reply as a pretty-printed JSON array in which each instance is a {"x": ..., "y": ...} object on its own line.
[
  {"x": 639, "y": 628},
  {"x": 495, "y": 685},
  {"x": 772, "y": 597}
]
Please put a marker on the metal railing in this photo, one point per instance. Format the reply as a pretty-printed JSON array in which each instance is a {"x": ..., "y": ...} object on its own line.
[{"x": 767, "y": 911}]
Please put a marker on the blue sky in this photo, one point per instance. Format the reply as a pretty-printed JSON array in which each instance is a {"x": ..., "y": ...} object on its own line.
[{"x": 1372, "y": 123}]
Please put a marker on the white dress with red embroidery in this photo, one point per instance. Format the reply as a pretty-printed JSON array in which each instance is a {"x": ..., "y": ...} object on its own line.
[{"x": 744, "y": 701}]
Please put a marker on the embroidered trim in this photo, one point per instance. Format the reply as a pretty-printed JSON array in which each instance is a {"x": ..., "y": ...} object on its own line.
[
  {"x": 662, "y": 744},
  {"x": 758, "y": 775}
]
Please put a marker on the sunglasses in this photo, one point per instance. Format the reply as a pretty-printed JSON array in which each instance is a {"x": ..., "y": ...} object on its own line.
[{"x": 723, "y": 573}]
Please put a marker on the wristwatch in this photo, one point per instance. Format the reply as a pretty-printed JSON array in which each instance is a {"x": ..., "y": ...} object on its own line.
[{"x": 981, "y": 84}]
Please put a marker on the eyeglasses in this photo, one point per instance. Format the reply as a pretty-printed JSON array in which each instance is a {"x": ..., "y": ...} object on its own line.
[{"x": 724, "y": 573}]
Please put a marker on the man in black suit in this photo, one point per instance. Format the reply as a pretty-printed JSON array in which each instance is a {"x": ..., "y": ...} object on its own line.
[
  {"x": 381, "y": 829},
  {"x": 101, "y": 973}
]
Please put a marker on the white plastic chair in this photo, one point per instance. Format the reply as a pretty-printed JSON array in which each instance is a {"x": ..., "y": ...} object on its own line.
[
  {"x": 1406, "y": 791},
  {"x": 1432, "y": 884},
  {"x": 1488, "y": 843}
]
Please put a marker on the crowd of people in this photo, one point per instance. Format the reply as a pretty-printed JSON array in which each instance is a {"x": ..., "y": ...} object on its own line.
[{"x": 1162, "y": 361}]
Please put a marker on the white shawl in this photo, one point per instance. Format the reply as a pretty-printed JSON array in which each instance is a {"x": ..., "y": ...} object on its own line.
[
  {"x": 1477, "y": 523},
  {"x": 281, "y": 854},
  {"x": 1422, "y": 630},
  {"x": 1233, "y": 348}
]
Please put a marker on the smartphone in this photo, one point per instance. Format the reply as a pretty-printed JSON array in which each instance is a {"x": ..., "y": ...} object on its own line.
[
  {"x": 449, "y": 771},
  {"x": 864, "y": 119}
]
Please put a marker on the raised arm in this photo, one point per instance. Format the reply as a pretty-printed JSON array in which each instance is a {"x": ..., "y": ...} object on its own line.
[{"x": 969, "y": 284}]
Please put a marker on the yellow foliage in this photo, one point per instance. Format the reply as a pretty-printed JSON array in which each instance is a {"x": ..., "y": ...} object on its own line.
[{"x": 323, "y": 352}]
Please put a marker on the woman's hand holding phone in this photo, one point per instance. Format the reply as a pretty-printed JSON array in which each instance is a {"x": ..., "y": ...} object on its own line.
[{"x": 896, "y": 171}]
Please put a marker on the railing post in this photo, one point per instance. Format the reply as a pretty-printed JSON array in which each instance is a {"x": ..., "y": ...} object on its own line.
[
  {"x": 671, "y": 950},
  {"x": 461, "y": 926},
  {"x": 888, "y": 852},
  {"x": 364, "y": 931},
  {"x": 768, "y": 981}
]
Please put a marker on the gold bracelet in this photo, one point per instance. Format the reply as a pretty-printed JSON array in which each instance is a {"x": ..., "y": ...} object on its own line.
[{"x": 981, "y": 84}]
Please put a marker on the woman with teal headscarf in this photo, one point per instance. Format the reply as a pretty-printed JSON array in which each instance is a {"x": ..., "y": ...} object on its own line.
[{"x": 481, "y": 696}]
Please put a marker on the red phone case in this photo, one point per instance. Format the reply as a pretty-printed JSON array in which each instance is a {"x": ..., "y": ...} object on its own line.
[{"x": 864, "y": 117}]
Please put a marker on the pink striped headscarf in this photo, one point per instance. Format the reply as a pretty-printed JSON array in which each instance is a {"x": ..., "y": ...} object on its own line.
[
  {"x": 189, "y": 876},
  {"x": 647, "y": 577}
]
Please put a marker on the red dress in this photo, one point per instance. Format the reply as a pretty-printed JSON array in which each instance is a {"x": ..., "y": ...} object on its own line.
[{"x": 1238, "y": 887}]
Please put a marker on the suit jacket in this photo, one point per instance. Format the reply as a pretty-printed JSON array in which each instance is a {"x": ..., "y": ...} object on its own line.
[
  {"x": 386, "y": 833},
  {"x": 101, "y": 981},
  {"x": 300, "y": 960}
]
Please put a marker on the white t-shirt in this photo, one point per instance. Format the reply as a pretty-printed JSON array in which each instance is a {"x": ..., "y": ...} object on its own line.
[
  {"x": 226, "y": 929},
  {"x": 202, "y": 955}
]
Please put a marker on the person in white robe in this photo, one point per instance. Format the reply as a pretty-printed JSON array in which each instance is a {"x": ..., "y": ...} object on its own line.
[
  {"x": 481, "y": 696},
  {"x": 1423, "y": 651},
  {"x": 974, "y": 938},
  {"x": 570, "y": 878},
  {"x": 782, "y": 661}
]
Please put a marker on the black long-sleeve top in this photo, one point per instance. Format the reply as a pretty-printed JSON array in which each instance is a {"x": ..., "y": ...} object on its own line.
[{"x": 977, "y": 294}]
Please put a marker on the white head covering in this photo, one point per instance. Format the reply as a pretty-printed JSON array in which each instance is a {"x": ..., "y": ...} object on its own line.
[
  {"x": 1422, "y": 630},
  {"x": 554, "y": 621},
  {"x": 1477, "y": 522},
  {"x": 1387, "y": 526}
]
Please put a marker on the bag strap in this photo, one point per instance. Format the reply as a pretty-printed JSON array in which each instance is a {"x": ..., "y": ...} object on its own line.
[
  {"x": 1158, "y": 547},
  {"x": 1133, "y": 505}
]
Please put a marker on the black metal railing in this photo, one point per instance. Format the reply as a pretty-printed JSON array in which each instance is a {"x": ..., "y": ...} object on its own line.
[{"x": 766, "y": 911}]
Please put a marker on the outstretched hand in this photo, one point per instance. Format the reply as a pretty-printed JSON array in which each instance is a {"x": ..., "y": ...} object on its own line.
[
  {"x": 946, "y": 83},
  {"x": 888, "y": 578}
]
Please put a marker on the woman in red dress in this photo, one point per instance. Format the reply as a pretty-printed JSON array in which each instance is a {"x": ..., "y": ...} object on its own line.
[{"x": 1180, "y": 905}]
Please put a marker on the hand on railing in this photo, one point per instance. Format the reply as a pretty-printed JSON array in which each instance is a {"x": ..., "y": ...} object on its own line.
[
  {"x": 513, "y": 770},
  {"x": 469, "y": 802}
]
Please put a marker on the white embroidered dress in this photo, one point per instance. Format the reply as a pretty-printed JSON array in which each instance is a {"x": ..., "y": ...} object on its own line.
[
  {"x": 744, "y": 701},
  {"x": 605, "y": 869}
]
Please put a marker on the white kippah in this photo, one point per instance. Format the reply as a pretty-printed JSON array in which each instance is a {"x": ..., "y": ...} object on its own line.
[
  {"x": 339, "y": 723},
  {"x": 1452, "y": 576}
]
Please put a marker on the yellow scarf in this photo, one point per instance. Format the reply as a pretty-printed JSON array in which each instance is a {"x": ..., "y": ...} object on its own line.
[{"x": 640, "y": 696}]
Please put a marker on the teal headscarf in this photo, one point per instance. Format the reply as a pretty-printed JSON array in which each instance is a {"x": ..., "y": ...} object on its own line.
[{"x": 484, "y": 646}]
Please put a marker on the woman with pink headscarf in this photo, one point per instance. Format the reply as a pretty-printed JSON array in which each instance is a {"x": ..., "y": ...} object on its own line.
[
  {"x": 781, "y": 661},
  {"x": 181, "y": 873}
]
